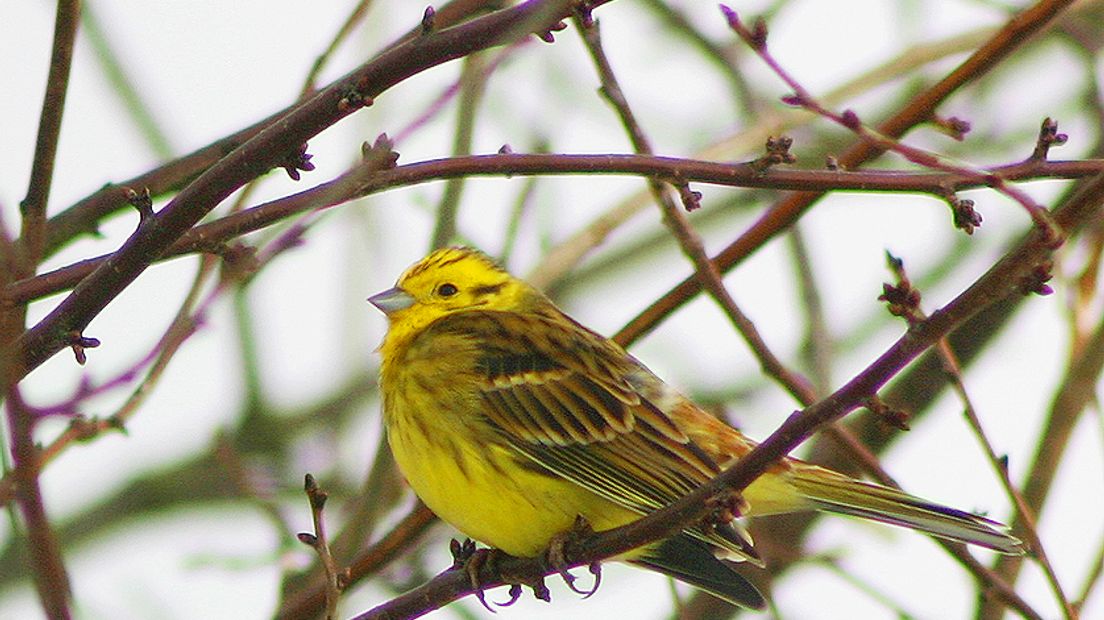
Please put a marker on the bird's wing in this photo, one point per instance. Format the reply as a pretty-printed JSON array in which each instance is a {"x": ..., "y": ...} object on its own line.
[{"x": 568, "y": 399}]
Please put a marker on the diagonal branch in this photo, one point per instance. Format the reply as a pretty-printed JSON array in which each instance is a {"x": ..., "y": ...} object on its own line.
[
  {"x": 1006, "y": 278},
  {"x": 270, "y": 148},
  {"x": 787, "y": 211}
]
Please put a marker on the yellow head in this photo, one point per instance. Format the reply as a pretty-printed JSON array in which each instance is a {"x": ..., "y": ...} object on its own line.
[{"x": 451, "y": 280}]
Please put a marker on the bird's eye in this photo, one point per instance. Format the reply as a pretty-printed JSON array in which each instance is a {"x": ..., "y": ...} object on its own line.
[{"x": 447, "y": 290}]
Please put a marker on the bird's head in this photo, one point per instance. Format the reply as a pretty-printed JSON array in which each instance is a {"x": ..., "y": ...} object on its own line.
[{"x": 452, "y": 280}]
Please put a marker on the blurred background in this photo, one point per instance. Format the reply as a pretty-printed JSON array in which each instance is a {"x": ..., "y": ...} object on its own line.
[{"x": 192, "y": 510}]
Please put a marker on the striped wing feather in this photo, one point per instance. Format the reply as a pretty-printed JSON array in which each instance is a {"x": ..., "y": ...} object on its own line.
[{"x": 561, "y": 395}]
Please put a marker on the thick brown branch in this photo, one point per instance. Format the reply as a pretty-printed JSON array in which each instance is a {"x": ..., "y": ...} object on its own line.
[
  {"x": 1000, "y": 282},
  {"x": 268, "y": 149},
  {"x": 209, "y": 236}
]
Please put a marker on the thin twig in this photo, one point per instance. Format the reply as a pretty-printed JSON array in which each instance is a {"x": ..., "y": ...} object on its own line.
[
  {"x": 562, "y": 258},
  {"x": 1092, "y": 579},
  {"x": 310, "y": 601},
  {"x": 317, "y": 498},
  {"x": 275, "y": 145},
  {"x": 33, "y": 205},
  {"x": 1076, "y": 392},
  {"x": 783, "y": 214},
  {"x": 206, "y": 236},
  {"x": 359, "y": 12},
  {"x": 1024, "y": 512},
  {"x": 123, "y": 86},
  {"x": 473, "y": 83},
  {"x": 46, "y": 564},
  {"x": 990, "y": 288},
  {"x": 756, "y": 40},
  {"x": 680, "y": 227},
  {"x": 953, "y": 370}
]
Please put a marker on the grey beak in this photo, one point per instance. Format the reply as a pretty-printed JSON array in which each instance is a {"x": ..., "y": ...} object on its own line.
[{"x": 392, "y": 300}]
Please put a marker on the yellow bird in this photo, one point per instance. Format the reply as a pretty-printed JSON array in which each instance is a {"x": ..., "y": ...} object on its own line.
[{"x": 509, "y": 419}]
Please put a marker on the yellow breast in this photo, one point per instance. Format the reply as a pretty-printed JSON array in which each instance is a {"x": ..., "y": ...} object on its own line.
[
  {"x": 465, "y": 474},
  {"x": 483, "y": 490}
]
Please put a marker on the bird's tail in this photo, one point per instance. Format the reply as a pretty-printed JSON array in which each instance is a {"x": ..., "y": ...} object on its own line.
[
  {"x": 692, "y": 562},
  {"x": 834, "y": 492}
]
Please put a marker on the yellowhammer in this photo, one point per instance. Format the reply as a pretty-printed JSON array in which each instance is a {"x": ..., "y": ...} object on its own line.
[{"x": 509, "y": 419}]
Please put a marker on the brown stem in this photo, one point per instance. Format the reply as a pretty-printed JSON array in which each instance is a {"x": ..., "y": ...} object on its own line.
[
  {"x": 47, "y": 568},
  {"x": 787, "y": 211},
  {"x": 33, "y": 205},
  {"x": 1077, "y": 391},
  {"x": 308, "y": 602},
  {"x": 207, "y": 237},
  {"x": 1000, "y": 282},
  {"x": 270, "y": 148}
]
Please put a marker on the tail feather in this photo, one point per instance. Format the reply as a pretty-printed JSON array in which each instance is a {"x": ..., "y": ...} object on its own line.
[
  {"x": 837, "y": 493},
  {"x": 692, "y": 562}
]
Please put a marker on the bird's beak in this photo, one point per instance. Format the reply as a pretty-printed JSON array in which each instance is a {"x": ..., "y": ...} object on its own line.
[{"x": 392, "y": 300}]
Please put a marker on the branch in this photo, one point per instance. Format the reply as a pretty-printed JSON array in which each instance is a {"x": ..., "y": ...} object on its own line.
[
  {"x": 397, "y": 542},
  {"x": 208, "y": 237},
  {"x": 83, "y": 217},
  {"x": 1003, "y": 280},
  {"x": 787, "y": 211},
  {"x": 33, "y": 205},
  {"x": 270, "y": 148}
]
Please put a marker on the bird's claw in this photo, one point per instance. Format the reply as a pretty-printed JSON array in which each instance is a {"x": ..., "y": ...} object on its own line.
[
  {"x": 472, "y": 560},
  {"x": 559, "y": 552}
]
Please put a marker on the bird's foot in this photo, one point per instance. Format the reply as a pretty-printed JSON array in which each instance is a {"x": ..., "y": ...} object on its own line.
[
  {"x": 724, "y": 507},
  {"x": 561, "y": 548},
  {"x": 474, "y": 560}
]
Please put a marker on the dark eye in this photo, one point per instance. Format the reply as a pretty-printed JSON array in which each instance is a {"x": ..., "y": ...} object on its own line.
[{"x": 447, "y": 290}]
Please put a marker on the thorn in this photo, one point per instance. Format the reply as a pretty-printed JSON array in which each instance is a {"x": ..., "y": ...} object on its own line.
[
  {"x": 1036, "y": 281},
  {"x": 505, "y": 149},
  {"x": 141, "y": 201},
  {"x": 777, "y": 152},
  {"x": 300, "y": 161},
  {"x": 548, "y": 36},
  {"x": 429, "y": 19},
  {"x": 78, "y": 343},
  {"x": 1048, "y": 137},
  {"x": 851, "y": 120},
  {"x": 354, "y": 100},
  {"x": 965, "y": 217}
]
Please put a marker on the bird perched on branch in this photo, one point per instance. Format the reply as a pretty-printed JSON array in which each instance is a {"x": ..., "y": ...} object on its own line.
[{"x": 510, "y": 419}]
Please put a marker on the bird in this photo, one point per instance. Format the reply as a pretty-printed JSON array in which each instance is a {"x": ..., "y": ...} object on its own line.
[{"x": 510, "y": 420}]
